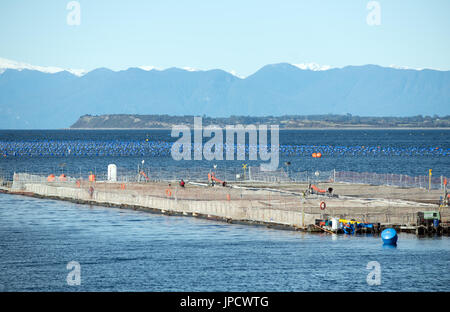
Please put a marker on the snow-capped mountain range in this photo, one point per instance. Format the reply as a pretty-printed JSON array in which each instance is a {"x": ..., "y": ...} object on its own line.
[
  {"x": 51, "y": 97},
  {"x": 10, "y": 64}
]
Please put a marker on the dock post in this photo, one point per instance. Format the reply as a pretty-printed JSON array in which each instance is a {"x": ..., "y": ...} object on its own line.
[{"x": 303, "y": 216}]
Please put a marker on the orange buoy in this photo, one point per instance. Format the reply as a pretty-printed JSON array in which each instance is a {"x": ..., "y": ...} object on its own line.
[
  {"x": 314, "y": 155},
  {"x": 51, "y": 178},
  {"x": 318, "y": 155}
]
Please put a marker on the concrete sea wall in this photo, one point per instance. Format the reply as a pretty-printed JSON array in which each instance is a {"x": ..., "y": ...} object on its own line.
[{"x": 231, "y": 211}]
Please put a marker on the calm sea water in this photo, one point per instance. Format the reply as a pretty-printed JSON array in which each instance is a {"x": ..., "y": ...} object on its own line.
[
  {"x": 127, "y": 250},
  {"x": 410, "y": 152}
]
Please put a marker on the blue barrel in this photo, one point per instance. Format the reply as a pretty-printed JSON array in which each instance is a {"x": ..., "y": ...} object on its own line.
[
  {"x": 349, "y": 229},
  {"x": 389, "y": 236},
  {"x": 436, "y": 223}
]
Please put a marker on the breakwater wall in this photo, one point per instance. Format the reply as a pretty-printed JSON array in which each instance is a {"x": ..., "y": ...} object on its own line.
[
  {"x": 281, "y": 207},
  {"x": 234, "y": 211}
]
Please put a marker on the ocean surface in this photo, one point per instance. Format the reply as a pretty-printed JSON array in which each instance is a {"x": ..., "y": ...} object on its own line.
[
  {"x": 410, "y": 152},
  {"x": 125, "y": 250}
]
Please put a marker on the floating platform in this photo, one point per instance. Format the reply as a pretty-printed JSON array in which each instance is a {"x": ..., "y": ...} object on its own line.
[{"x": 284, "y": 206}]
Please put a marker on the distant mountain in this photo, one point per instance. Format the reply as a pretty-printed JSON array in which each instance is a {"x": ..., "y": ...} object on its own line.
[
  {"x": 124, "y": 121},
  {"x": 30, "y": 98},
  {"x": 9, "y": 64}
]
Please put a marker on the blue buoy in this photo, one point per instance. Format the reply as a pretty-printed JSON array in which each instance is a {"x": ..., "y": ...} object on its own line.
[
  {"x": 349, "y": 229},
  {"x": 436, "y": 223},
  {"x": 389, "y": 236}
]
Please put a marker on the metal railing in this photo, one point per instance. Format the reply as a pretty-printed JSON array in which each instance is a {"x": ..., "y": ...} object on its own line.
[
  {"x": 250, "y": 174},
  {"x": 389, "y": 179}
]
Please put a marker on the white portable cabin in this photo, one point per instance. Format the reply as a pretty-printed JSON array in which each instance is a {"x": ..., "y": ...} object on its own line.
[{"x": 112, "y": 173}]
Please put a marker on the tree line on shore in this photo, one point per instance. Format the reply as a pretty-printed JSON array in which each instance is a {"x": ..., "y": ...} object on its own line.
[{"x": 286, "y": 121}]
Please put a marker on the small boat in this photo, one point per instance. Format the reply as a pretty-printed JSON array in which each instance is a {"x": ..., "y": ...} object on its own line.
[{"x": 389, "y": 236}]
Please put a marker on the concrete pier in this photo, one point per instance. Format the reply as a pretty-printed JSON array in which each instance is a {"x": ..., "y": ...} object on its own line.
[{"x": 285, "y": 206}]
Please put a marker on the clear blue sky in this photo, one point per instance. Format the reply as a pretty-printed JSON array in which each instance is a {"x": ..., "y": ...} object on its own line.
[{"x": 232, "y": 35}]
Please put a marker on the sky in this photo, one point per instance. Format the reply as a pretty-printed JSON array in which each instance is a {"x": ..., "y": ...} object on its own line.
[{"x": 237, "y": 36}]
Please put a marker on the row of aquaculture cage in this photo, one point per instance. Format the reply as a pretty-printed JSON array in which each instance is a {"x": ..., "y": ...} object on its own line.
[
  {"x": 195, "y": 174},
  {"x": 390, "y": 179},
  {"x": 247, "y": 174}
]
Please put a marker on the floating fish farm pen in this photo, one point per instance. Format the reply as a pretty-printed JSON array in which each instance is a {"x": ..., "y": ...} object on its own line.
[{"x": 326, "y": 202}]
